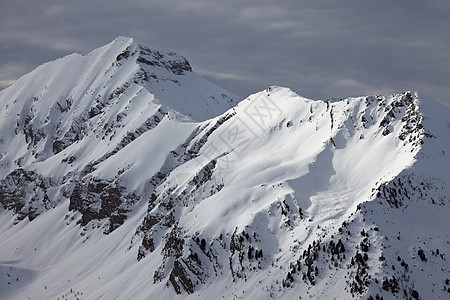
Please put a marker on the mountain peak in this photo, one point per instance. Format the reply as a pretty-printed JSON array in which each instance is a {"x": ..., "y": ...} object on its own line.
[
  {"x": 125, "y": 39},
  {"x": 149, "y": 57}
]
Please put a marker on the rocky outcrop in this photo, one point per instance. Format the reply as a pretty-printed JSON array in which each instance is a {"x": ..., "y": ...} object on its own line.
[
  {"x": 25, "y": 193},
  {"x": 98, "y": 199}
]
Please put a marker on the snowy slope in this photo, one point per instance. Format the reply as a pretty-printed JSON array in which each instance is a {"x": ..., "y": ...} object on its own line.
[
  {"x": 69, "y": 116},
  {"x": 125, "y": 175}
]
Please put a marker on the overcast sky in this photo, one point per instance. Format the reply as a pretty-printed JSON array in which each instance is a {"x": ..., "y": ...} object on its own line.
[{"x": 320, "y": 49}]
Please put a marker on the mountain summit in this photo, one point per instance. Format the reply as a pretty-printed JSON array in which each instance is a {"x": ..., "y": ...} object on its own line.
[{"x": 123, "y": 174}]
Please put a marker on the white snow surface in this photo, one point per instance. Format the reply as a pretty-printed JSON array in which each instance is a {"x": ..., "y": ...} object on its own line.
[{"x": 274, "y": 172}]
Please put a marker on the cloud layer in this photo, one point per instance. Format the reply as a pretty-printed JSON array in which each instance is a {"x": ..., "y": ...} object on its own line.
[{"x": 320, "y": 49}]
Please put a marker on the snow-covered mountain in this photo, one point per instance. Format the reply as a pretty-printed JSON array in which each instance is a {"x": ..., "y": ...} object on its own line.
[{"x": 124, "y": 175}]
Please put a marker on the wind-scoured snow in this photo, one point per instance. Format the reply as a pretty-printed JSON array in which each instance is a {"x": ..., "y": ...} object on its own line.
[{"x": 125, "y": 175}]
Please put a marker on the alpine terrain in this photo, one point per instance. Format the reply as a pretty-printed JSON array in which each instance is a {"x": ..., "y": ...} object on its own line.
[{"x": 124, "y": 175}]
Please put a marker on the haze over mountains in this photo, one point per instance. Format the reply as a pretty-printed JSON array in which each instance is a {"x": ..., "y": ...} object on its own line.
[{"x": 123, "y": 174}]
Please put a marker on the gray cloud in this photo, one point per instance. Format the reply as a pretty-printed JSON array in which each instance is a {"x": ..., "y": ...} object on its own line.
[{"x": 320, "y": 49}]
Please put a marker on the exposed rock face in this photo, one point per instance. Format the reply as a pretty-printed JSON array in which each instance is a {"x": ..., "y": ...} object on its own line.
[
  {"x": 98, "y": 199},
  {"x": 178, "y": 65},
  {"x": 25, "y": 192}
]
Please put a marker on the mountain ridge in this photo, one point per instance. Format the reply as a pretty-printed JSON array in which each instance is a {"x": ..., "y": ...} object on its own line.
[{"x": 151, "y": 192}]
